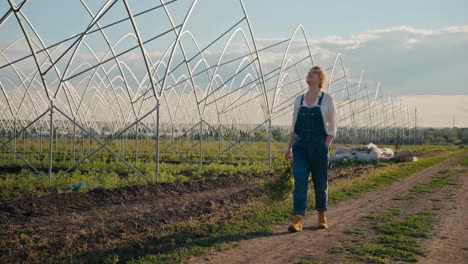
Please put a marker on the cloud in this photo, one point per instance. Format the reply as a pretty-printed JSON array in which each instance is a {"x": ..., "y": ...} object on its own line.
[
  {"x": 325, "y": 49},
  {"x": 297, "y": 50},
  {"x": 454, "y": 29},
  {"x": 411, "y": 30},
  {"x": 410, "y": 42},
  {"x": 358, "y": 40}
]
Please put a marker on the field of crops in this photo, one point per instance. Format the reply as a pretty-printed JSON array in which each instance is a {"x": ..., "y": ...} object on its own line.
[
  {"x": 178, "y": 160},
  {"x": 104, "y": 170}
]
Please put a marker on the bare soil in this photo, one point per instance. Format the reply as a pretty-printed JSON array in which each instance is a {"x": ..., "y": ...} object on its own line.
[{"x": 448, "y": 244}]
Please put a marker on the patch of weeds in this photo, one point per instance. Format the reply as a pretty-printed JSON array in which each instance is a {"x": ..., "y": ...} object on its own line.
[
  {"x": 373, "y": 259},
  {"x": 425, "y": 188},
  {"x": 387, "y": 217},
  {"x": 354, "y": 231},
  {"x": 463, "y": 161},
  {"x": 451, "y": 195},
  {"x": 400, "y": 242},
  {"x": 405, "y": 197},
  {"x": 379, "y": 252},
  {"x": 417, "y": 225},
  {"x": 338, "y": 249},
  {"x": 308, "y": 262},
  {"x": 111, "y": 259},
  {"x": 398, "y": 239},
  {"x": 442, "y": 179}
]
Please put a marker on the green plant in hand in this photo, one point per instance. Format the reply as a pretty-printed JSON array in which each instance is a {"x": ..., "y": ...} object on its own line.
[{"x": 282, "y": 185}]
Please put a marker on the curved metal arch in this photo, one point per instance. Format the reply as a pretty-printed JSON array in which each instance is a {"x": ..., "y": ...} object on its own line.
[
  {"x": 210, "y": 84},
  {"x": 299, "y": 27},
  {"x": 101, "y": 12},
  {"x": 140, "y": 43},
  {"x": 165, "y": 96},
  {"x": 208, "y": 69},
  {"x": 179, "y": 36},
  {"x": 381, "y": 113},
  {"x": 258, "y": 56},
  {"x": 357, "y": 101},
  {"x": 33, "y": 52},
  {"x": 339, "y": 57},
  {"x": 16, "y": 91},
  {"x": 117, "y": 65},
  {"x": 370, "y": 103},
  {"x": 182, "y": 99},
  {"x": 286, "y": 76},
  {"x": 48, "y": 56},
  {"x": 278, "y": 88},
  {"x": 234, "y": 101},
  {"x": 97, "y": 88},
  {"x": 31, "y": 87},
  {"x": 159, "y": 63},
  {"x": 10, "y": 107},
  {"x": 361, "y": 78},
  {"x": 111, "y": 49},
  {"x": 101, "y": 67},
  {"x": 239, "y": 67},
  {"x": 171, "y": 57},
  {"x": 17, "y": 73},
  {"x": 155, "y": 67}
]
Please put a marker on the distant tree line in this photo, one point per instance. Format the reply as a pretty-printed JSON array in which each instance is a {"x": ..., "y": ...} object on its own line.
[{"x": 389, "y": 136}]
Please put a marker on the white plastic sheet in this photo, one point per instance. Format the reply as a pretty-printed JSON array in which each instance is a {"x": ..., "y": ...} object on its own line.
[{"x": 370, "y": 153}]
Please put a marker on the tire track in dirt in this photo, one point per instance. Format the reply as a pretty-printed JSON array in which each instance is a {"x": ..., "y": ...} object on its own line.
[{"x": 313, "y": 243}]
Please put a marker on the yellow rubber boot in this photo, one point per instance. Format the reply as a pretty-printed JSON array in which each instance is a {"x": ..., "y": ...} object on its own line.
[
  {"x": 297, "y": 224},
  {"x": 322, "y": 220}
]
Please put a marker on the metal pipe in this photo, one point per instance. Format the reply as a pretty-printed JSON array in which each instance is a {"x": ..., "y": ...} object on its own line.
[{"x": 51, "y": 138}]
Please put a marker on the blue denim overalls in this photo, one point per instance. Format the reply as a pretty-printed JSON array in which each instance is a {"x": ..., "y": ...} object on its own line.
[{"x": 310, "y": 155}]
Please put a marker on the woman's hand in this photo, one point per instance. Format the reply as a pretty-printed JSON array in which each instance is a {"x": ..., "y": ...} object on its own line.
[
  {"x": 287, "y": 154},
  {"x": 328, "y": 141}
]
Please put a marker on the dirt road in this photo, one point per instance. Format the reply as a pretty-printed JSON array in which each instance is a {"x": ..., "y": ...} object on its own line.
[{"x": 448, "y": 243}]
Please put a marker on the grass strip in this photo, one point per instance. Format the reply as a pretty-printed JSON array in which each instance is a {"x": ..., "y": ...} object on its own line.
[
  {"x": 398, "y": 239},
  {"x": 350, "y": 188},
  {"x": 442, "y": 179},
  {"x": 463, "y": 161}
]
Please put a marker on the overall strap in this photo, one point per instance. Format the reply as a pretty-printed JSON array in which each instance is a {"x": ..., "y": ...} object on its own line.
[
  {"x": 320, "y": 99},
  {"x": 302, "y": 100}
]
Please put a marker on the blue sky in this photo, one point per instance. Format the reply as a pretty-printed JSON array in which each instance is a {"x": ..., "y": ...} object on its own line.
[{"x": 417, "y": 49}]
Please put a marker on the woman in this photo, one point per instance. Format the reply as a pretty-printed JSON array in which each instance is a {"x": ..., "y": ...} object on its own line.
[{"x": 312, "y": 131}]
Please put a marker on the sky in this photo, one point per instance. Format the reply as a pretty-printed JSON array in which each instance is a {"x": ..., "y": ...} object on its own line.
[{"x": 417, "y": 50}]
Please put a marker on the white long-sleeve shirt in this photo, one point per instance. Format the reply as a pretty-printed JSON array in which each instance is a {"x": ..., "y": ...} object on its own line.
[{"x": 327, "y": 107}]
